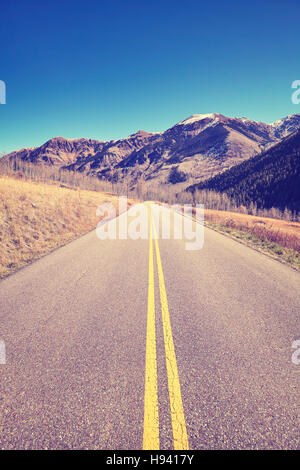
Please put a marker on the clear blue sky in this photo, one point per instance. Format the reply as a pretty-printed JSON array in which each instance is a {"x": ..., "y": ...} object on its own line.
[{"x": 105, "y": 69}]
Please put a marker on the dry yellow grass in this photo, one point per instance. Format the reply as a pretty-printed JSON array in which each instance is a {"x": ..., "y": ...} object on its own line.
[
  {"x": 282, "y": 232},
  {"x": 36, "y": 218}
]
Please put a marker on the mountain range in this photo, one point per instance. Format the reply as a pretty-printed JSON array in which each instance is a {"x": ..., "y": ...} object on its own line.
[
  {"x": 270, "y": 179},
  {"x": 197, "y": 148}
]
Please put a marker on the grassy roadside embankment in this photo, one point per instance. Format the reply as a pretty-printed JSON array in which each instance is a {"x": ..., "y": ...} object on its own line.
[
  {"x": 36, "y": 218},
  {"x": 279, "y": 239}
]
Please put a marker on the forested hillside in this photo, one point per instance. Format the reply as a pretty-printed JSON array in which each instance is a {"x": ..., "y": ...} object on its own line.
[{"x": 271, "y": 179}]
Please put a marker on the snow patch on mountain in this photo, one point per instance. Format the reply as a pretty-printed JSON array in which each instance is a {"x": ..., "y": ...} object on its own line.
[{"x": 196, "y": 117}]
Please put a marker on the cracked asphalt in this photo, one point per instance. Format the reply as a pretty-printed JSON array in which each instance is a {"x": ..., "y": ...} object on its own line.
[{"x": 75, "y": 325}]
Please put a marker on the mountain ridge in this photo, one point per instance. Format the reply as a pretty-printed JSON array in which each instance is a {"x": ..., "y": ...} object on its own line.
[{"x": 201, "y": 146}]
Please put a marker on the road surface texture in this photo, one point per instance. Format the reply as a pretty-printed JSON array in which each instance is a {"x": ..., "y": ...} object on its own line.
[{"x": 131, "y": 344}]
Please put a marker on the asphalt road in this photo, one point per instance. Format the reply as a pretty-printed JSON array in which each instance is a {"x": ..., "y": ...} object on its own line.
[{"x": 106, "y": 349}]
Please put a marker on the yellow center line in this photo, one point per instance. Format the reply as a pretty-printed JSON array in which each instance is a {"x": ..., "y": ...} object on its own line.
[
  {"x": 177, "y": 414},
  {"x": 151, "y": 418}
]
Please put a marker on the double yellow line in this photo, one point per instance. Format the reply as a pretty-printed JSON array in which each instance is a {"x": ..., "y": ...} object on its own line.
[{"x": 151, "y": 415}]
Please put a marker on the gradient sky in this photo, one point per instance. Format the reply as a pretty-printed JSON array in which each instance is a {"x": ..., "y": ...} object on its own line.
[{"x": 105, "y": 69}]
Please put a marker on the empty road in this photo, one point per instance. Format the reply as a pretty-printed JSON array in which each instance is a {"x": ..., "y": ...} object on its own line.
[{"x": 132, "y": 344}]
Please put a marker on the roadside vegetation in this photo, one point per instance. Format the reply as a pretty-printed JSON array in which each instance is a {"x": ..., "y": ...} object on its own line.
[
  {"x": 36, "y": 218},
  {"x": 277, "y": 238},
  {"x": 55, "y": 175},
  {"x": 43, "y": 207}
]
